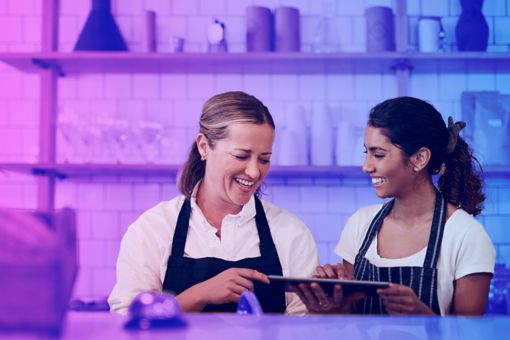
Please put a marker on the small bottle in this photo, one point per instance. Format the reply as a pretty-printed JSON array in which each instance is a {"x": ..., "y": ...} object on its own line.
[{"x": 216, "y": 37}]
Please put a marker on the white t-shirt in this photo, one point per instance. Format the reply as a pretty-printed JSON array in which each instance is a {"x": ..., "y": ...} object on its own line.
[
  {"x": 146, "y": 246},
  {"x": 465, "y": 249}
]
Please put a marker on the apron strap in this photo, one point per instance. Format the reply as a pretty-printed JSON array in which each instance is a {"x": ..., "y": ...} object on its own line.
[
  {"x": 181, "y": 230},
  {"x": 375, "y": 226},
  {"x": 436, "y": 233},
  {"x": 267, "y": 247}
]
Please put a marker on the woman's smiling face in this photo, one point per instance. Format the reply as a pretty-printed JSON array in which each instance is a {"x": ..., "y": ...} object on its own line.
[
  {"x": 387, "y": 165},
  {"x": 237, "y": 164}
]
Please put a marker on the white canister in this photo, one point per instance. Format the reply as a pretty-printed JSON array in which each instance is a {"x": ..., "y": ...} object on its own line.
[
  {"x": 429, "y": 29},
  {"x": 321, "y": 136}
]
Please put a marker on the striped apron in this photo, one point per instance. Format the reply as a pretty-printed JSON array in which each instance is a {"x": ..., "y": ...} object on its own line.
[{"x": 423, "y": 280}]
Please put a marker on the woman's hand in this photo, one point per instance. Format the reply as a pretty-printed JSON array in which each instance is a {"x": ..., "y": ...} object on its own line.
[
  {"x": 317, "y": 301},
  {"x": 401, "y": 300},
  {"x": 228, "y": 285}
]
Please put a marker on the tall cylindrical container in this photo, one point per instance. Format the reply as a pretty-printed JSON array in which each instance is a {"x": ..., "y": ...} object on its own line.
[
  {"x": 259, "y": 29},
  {"x": 150, "y": 31},
  {"x": 380, "y": 29},
  {"x": 429, "y": 29},
  {"x": 287, "y": 30}
]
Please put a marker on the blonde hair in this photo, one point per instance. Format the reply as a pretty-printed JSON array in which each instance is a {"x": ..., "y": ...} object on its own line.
[{"x": 218, "y": 113}]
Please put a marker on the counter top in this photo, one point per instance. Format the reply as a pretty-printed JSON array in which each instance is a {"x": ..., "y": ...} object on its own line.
[{"x": 96, "y": 325}]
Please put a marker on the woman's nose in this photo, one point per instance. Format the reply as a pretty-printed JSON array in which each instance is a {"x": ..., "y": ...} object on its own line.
[
  {"x": 252, "y": 169},
  {"x": 367, "y": 166}
]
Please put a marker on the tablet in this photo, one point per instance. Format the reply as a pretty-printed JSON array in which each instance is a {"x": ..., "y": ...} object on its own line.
[{"x": 348, "y": 286}]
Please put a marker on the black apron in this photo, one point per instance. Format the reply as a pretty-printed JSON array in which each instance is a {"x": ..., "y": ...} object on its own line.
[
  {"x": 184, "y": 272},
  {"x": 423, "y": 280}
]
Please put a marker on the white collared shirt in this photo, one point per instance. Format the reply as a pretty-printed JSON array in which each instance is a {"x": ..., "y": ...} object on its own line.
[{"x": 146, "y": 246}]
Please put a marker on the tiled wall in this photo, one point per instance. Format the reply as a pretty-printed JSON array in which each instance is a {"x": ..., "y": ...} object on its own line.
[{"x": 106, "y": 206}]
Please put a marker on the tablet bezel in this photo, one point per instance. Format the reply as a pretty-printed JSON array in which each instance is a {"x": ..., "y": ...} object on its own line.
[{"x": 348, "y": 286}]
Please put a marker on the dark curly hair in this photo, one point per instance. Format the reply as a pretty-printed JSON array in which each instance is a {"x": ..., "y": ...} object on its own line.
[{"x": 411, "y": 123}]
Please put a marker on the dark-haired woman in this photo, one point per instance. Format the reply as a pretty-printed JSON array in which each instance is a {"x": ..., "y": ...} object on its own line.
[
  {"x": 424, "y": 240},
  {"x": 218, "y": 239}
]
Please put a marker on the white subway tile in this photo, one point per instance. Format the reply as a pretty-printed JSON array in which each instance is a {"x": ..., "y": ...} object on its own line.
[
  {"x": 146, "y": 86},
  {"x": 197, "y": 30},
  {"x": 451, "y": 85},
  {"x": 92, "y": 196},
  {"x": 257, "y": 85},
  {"x": 497, "y": 228},
  {"x": 31, "y": 29},
  {"x": 327, "y": 228},
  {"x": 339, "y": 200},
  {"x": 359, "y": 30},
  {"x": 112, "y": 252},
  {"x": 481, "y": 81},
  {"x": 502, "y": 30},
  {"x": 174, "y": 86},
  {"x": 212, "y": 8},
  {"x": 168, "y": 27},
  {"x": 105, "y": 225},
  {"x": 323, "y": 249},
  {"x": 504, "y": 200},
  {"x": 237, "y": 7},
  {"x": 130, "y": 110},
  {"x": 161, "y": 111},
  {"x": 503, "y": 82},
  {"x": 83, "y": 284},
  {"x": 11, "y": 85},
  {"x": 312, "y": 86},
  {"x": 24, "y": 7},
  {"x": 201, "y": 86},
  {"x": 284, "y": 86},
  {"x": 118, "y": 197},
  {"x": 313, "y": 199},
  {"x": 368, "y": 86},
  {"x": 425, "y": 86},
  {"x": 188, "y": 7},
  {"x": 12, "y": 196},
  {"x": 145, "y": 196},
  {"x": 30, "y": 142},
  {"x": 118, "y": 86},
  {"x": 74, "y": 7},
  {"x": 413, "y": 7},
  {"x": 129, "y": 8},
  {"x": 91, "y": 86},
  {"x": 189, "y": 113},
  {"x": 103, "y": 280},
  {"x": 24, "y": 113},
  {"x": 366, "y": 196},
  {"x": 267, "y": 3},
  {"x": 434, "y": 7},
  {"x": 84, "y": 225},
  {"x": 92, "y": 254},
  {"x": 235, "y": 31},
  {"x": 30, "y": 84},
  {"x": 160, "y": 7},
  {"x": 287, "y": 197},
  {"x": 229, "y": 82},
  {"x": 340, "y": 86},
  {"x": 13, "y": 137},
  {"x": 494, "y": 8},
  {"x": 169, "y": 191}
]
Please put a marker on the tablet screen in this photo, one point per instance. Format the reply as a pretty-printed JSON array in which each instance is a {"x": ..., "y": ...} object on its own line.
[{"x": 348, "y": 286}]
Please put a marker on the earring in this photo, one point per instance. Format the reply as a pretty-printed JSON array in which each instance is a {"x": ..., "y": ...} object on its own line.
[{"x": 202, "y": 158}]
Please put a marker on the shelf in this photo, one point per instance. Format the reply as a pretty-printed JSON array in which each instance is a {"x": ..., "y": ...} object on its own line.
[
  {"x": 64, "y": 171},
  {"x": 269, "y": 62}
]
